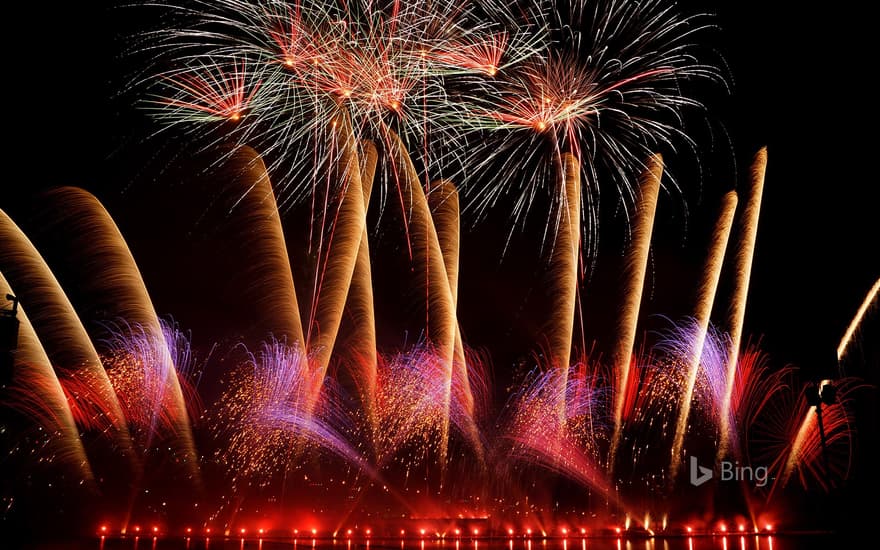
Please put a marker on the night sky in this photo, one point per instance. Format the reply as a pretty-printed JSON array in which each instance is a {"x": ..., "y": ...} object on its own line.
[{"x": 798, "y": 84}]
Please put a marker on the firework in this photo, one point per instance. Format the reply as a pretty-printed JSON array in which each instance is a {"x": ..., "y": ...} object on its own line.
[
  {"x": 870, "y": 299},
  {"x": 636, "y": 265},
  {"x": 337, "y": 262},
  {"x": 705, "y": 299},
  {"x": 538, "y": 437},
  {"x": 285, "y": 71},
  {"x": 443, "y": 200},
  {"x": 270, "y": 286},
  {"x": 360, "y": 302},
  {"x": 60, "y": 330},
  {"x": 140, "y": 363},
  {"x": 564, "y": 270},
  {"x": 36, "y": 392},
  {"x": 745, "y": 252},
  {"x": 114, "y": 283},
  {"x": 608, "y": 89},
  {"x": 269, "y": 411},
  {"x": 440, "y": 318},
  {"x": 791, "y": 431}
]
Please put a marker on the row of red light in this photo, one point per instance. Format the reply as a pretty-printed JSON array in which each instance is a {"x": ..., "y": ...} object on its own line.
[
  {"x": 104, "y": 530},
  {"x": 741, "y": 528}
]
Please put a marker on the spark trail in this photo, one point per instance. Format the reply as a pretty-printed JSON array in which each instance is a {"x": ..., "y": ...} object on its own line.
[
  {"x": 705, "y": 299},
  {"x": 427, "y": 254},
  {"x": 335, "y": 270},
  {"x": 60, "y": 329},
  {"x": 35, "y": 391},
  {"x": 635, "y": 267},
  {"x": 745, "y": 253},
  {"x": 362, "y": 346},
  {"x": 270, "y": 285},
  {"x": 870, "y": 299},
  {"x": 115, "y": 285},
  {"x": 443, "y": 200},
  {"x": 564, "y": 273}
]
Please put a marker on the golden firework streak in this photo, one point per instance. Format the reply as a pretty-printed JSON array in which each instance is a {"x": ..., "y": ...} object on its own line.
[
  {"x": 745, "y": 253},
  {"x": 443, "y": 200},
  {"x": 342, "y": 254},
  {"x": 271, "y": 287},
  {"x": 635, "y": 267},
  {"x": 35, "y": 379},
  {"x": 56, "y": 322},
  {"x": 116, "y": 279},
  {"x": 705, "y": 300},
  {"x": 857, "y": 320},
  {"x": 360, "y": 302},
  {"x": 564, "y": 273},
  {"x": 442, "y": 322}
]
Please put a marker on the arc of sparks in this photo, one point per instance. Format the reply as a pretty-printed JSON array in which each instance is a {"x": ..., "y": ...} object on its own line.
[
  {"x": 56, "y": 322},
  {"x": 871, "y": 298},
  {"x": 35, "y": 383},
  {"x": 337, "y": 268},
  {"x": 442, "y": 321},
  {"x": 705, "y": 299},
  {"x": 271, "y": 289},
  {"x": 360, "y": 301},
  {"x": 118, "y": 284},
  {"x": 564, "y": 273},
  {"x": 745, "y": 253},
  {"x": 444, "y": 203},
  {"x": 635, "y": 268}
]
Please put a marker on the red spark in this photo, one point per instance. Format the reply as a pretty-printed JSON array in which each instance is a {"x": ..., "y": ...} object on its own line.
[{"x": 219, "y": 94}]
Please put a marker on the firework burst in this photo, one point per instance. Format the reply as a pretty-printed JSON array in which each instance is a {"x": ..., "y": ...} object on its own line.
[
  {"x": 286, "y": 70},
  {"x": 268, "y": 416},
  {"x": 608, "y": 89}
]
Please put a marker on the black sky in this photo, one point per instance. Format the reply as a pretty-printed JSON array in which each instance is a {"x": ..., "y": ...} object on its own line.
[{"x": 799, "y": 84}]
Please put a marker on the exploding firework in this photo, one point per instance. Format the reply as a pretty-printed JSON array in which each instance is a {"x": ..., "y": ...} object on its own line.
[
  {"x": 470, "y": 87},
  {"x": 608, "y": 90},
  {"x": 269, "y": 412},
  {"x": 280, "y": 72}
]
